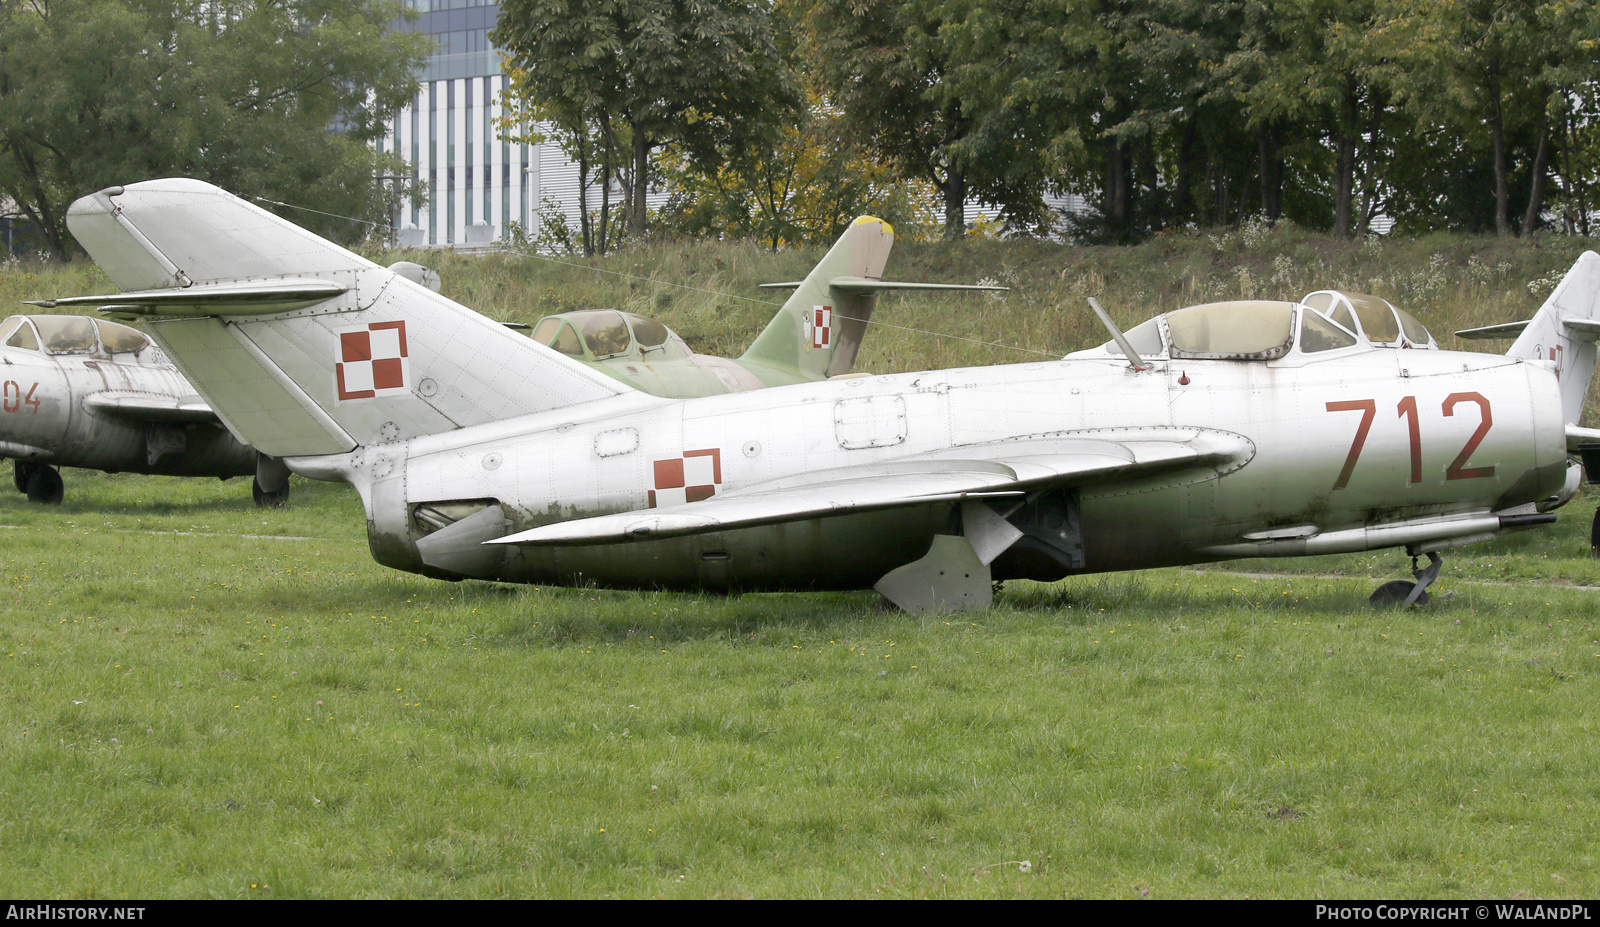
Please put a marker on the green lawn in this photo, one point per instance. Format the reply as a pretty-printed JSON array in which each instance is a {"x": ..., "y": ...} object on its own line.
[{"x": 202, "y": 699}]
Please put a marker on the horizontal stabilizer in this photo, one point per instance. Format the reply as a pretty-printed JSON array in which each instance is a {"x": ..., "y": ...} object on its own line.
[
  {"x": 865, "y": 285},
  {"x": 1576, "y": 329},
  {"x": 1488, "y": 332},
  {"x": 1581, "y": 329},
  {"x": 868, "y": 285},
  {"x": 210, "y": 299},
  {"x": 997, "y": 469},
  {"x": 141, "y": 408}
]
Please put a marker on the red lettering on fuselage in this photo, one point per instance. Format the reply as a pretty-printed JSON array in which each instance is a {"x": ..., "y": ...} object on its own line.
[
  {"x": 1407, "y": 409},
  {"x": 13, "y": 399}
]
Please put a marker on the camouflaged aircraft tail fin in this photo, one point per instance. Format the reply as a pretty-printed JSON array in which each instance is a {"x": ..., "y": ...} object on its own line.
[{"x": 819, "y": 329}]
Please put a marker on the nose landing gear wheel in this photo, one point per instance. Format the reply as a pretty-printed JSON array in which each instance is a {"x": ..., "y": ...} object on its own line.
[
  {"x": 1395, "y": 592},
  {"x": 44, "y": 485},
  {"x": 1402, "y": 593}
]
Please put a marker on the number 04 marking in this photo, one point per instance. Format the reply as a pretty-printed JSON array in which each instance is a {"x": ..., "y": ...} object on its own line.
[
  {"x": 14, "y": 399},
  {"x": 1407, "y": 409}
]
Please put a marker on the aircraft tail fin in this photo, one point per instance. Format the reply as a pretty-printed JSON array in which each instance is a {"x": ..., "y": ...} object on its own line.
[
  {"x": 818, "y": 332},
  {"x": 819, "y": 329},
  {"x": 303, "y": 347},
  {"x": 1564, "y": 331}
]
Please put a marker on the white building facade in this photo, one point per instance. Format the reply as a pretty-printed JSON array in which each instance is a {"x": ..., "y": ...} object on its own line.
[{"x": 477, "y": 183}]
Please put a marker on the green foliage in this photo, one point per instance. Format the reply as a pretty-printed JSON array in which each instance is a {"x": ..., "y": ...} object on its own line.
[
  {"x": 923, "y": 85},
  {"x": 241, "y": 93},
  {"x": 1173, "y": 113},
  {"x": 552, "y": 233},
  {"x": 622, "y": 78},
  {"x": 807, "y": 190},
  {"x": 1163, "y": 114}
]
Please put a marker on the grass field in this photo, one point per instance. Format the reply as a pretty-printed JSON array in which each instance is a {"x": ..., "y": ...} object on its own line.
[
  {"x": 206, "y": 700},
  {"x": 202, "y": 699}
]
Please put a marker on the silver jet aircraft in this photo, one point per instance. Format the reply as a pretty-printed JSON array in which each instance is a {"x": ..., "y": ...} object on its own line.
[
  {"x": 1245, "y": 429},
  {"x": 82, "y": 392}
]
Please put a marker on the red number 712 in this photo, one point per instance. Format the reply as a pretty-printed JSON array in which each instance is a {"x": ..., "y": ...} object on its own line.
[{"x": 1407, "y": 409}]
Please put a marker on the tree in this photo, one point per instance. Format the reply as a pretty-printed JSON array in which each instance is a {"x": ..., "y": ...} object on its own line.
[
  {"x": 1492, "y": 74},
  {"x": 805, "y": 188},
  {"x": 1304, "y": 66},
  {"x": 242, "y": 93},
  {"x": 704, "y": 75},
  {"x": 582, "y": 132},
  {"x": 926, "y": 84}
]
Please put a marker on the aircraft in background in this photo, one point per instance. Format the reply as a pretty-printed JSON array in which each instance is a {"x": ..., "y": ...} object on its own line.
[
  {"x": 1219, "y": 431},
  {"x": 1554, "y": 336},
  {"x": 82, "y": 392},
  {"x": 815, "y": 335}
]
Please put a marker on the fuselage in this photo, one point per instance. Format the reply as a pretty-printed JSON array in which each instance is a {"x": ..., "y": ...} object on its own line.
[
  {"x": 48, "y": 412},
  {"x": 1345, "y": 440}
]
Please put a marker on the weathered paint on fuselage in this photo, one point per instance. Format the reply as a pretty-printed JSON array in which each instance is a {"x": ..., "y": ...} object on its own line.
[
  {"x": 1302, "y": 414},
  {"x": 43, "y": 417}
]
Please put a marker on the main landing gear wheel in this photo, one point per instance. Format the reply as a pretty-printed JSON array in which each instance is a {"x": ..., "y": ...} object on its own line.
[
  {"x": 1402, "y": 593},
  {"x": 44, "y": 485},
  {"x": 1594, "y": 535},
  {"x": 270, "y": 500}
]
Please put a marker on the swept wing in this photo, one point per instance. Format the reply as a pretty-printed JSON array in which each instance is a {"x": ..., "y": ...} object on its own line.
[
  {"x": 136, "y": 407},
  {"x": 1011, "y": 467}
]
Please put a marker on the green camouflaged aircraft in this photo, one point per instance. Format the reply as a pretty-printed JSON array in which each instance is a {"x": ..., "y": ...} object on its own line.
[{"x": 813, "y": 337}]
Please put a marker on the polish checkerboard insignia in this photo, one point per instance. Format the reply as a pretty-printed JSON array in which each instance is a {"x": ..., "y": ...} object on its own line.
[
  {"x": 371, "y": 361},
  {"x": 690, "y": 478},
  {"x": 821, "y": 326}
]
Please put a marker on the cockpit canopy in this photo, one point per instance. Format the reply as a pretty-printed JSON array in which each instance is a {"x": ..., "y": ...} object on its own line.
[
  {"x": 74, "y": 334},
  {"x": 1375, "y": 319},
  {"x": 601, "y": 333},
  {"x": 1252, "y": 329}
]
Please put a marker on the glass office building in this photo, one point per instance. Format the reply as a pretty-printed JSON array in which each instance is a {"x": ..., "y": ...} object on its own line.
[{"x": 477, "y": 183}]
